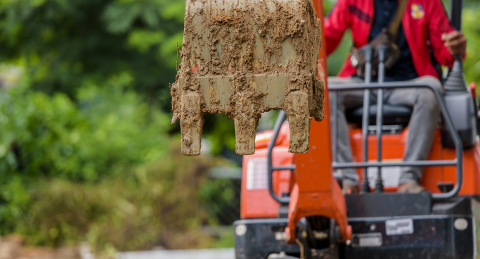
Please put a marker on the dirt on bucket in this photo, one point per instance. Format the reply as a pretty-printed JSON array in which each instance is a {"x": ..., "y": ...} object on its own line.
[{"x": 246, "y": 57}]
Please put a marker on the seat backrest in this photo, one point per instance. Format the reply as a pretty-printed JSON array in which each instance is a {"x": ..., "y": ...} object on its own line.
[{"x": 392, "y": 114}]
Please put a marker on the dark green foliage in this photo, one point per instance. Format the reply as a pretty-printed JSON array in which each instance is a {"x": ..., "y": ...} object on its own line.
[
  {"x": 472, "y": 32},
  {"x": 65, "y": 42},
  {"x": 104, "y": 171},
  {"x": 50, "y": 137},
  {"x": 217, "y": 196},
  {"x": 155, "y": 205}
]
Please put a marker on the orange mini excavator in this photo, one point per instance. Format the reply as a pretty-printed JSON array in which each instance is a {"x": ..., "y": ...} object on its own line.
[
  {"x": 292, "y": 205},
  {"x": 245, "y": 57}
]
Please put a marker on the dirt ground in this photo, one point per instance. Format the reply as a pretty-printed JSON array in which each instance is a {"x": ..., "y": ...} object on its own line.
[{"x": 12, "y": 247}]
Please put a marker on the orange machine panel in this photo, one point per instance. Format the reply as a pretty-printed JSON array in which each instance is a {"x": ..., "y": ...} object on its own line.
[
  {"x": 393, "y": 148},
  {"x": 316, "y": 192},
  {"x": 471, "y": 170},
  {"x": 256, "y": 201}
]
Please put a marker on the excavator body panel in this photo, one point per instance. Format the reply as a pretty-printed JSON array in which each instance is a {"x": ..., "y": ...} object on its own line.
[{"x": 379, "y": 225}]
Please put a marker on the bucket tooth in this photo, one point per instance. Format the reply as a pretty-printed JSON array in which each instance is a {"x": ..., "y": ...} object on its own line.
[
  {"x": 191, "y": 124},
  {"x": 245, "y": 128},
  {"x": 299, "y": 121},
  {"x": 318, "y": 98}
]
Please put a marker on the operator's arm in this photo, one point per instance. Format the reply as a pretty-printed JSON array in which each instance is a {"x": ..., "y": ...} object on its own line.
[
  {"x": 456, "y": 42},
  {"x": 335, "y": 25},
  {"x": 444, "y": 40}
]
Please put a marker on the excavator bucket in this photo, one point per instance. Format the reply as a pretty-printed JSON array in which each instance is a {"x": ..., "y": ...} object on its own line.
[{"x": 246, "y": 57}]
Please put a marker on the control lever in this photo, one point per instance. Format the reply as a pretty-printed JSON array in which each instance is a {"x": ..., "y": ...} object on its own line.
[
  {"x": 368, "y": 50},
  {"x": 382, "y": 51},
  {"x": 460, "y": 104}
]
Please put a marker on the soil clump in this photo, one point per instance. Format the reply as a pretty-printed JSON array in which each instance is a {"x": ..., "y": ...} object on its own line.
[{"x": 243, "y": 49}]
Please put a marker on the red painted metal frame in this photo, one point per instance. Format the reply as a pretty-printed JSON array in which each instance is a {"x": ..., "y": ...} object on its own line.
[{"x": 316, "y": 192}]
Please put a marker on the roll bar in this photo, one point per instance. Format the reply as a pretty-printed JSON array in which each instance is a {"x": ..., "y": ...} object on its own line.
[
  {"x": 446, "y": 116},
  {"x": 270, "y": 167},
  {"x": 458, "y": 162}
]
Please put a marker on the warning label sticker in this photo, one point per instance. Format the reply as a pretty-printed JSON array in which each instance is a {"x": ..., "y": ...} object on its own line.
[
  {"x": 367, "y": 240},
  {"x": 399, "y": 227},
  {"x": 257, "y": 174}
]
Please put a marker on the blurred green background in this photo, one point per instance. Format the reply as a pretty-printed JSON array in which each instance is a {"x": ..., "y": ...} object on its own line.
[{"x": 87, "y": 152}]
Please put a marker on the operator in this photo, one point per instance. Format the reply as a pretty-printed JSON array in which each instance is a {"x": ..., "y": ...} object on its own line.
[{"x": 423, "y": 29}]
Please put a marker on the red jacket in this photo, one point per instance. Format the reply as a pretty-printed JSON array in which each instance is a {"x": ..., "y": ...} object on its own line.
[{"x": 424, "y": 22}]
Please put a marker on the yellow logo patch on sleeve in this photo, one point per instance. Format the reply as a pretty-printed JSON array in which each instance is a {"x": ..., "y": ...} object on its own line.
[{"x": 417, "y": 11}]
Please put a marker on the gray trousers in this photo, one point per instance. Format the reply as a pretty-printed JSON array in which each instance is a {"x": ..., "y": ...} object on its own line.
[{"x": 421, "y": 128}]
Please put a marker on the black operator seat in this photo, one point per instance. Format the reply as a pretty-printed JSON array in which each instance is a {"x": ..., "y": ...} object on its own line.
[{"x": 392, "y": 114}]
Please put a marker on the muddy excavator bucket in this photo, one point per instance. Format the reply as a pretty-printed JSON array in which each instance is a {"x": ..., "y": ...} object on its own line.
[{"x": 246, "y": 57}]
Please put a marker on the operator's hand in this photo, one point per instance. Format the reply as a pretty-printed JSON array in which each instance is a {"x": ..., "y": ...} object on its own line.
[{"x": 456, "y": 42}]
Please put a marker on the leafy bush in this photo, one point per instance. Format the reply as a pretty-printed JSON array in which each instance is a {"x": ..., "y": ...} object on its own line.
[
  {"x": 155, "y": 205},
  {"x": 472, "y": 32},
  {"x": 104, "y": 170},
  {"x": 64, "y": 43},
  {"x": 52, "y": 136}
]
